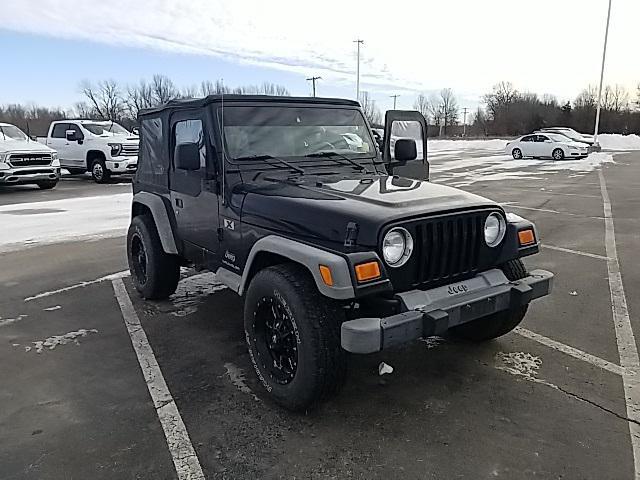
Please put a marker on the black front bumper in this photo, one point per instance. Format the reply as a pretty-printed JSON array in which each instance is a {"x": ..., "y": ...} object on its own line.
[{"x": 432, "y": 312}]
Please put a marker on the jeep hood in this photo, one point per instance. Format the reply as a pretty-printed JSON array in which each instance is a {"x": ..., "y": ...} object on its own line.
[
  {"x": 322, "y": 210},
  {"x": 22, "y": 146}
]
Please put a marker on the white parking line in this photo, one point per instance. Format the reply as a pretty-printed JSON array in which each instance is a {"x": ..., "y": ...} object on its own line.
[
  {"x": 627, "y": 349},
  {"x": 574, "y": 352},
  {"x": 182, "y": 452},
  {"x": 547, "y": 210},
  {"x": 575, "y": 252},
  {"x": 112, "y": 276}
]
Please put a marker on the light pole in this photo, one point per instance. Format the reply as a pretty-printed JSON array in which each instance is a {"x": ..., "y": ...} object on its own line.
[
  {"x": 464, "y": 122},
  {"x": 358, "y": 42},
  {"x": 313, "y": 81},
  {"x": 395, "y": 97},
  {"x": 604, "y": 54}
]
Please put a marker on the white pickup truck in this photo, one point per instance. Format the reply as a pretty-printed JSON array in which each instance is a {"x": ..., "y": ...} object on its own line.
[
  {"x": 23, "y": 161},
  {"x": 103, "y": 148}
]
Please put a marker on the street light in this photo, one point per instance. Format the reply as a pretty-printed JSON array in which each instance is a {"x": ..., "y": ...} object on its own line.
[
  {"x": 604, "y": 54},
  {"x": 395, "y": 97},
  {"x": 313, "y": 81},
  {"x": 358, "y": 42}
]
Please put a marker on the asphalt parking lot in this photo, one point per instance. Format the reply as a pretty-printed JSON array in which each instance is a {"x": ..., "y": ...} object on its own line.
[{"x": 556, "y": 399}]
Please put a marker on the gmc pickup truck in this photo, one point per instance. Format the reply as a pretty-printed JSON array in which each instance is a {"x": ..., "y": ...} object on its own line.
[{"x": 103, "y": 148}]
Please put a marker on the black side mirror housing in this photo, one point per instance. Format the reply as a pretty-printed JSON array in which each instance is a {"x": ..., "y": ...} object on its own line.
[
  {"x": 187, "y": 156},
  {"x": 71, "y": 135},
  {"x": 405, "y": 150}
]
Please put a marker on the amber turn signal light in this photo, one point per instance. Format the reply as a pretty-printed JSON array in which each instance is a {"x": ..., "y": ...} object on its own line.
[
  {"x": 367, "y": 271},
  {"x": 325, "y": 273},
  {"x": 526, "y": 237}
]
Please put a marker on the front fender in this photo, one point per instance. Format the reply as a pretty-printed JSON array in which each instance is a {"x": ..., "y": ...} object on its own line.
[{"x": 160, "y": 217}]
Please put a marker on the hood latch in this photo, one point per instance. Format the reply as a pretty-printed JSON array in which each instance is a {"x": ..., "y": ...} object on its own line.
[{"x": 352, "y": 234}]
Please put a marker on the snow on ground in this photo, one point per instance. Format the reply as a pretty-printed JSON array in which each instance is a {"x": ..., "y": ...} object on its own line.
[
  {"x": 461, "y": 145},
  {"x": 29, "y": 224},
  {"x": 610, "y": 141}
]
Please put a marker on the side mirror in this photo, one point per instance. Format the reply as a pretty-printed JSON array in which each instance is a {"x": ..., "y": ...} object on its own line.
[
  {"x": 71, "y": 135},
  {"x": 187, "y": 156},
  {"x": 405, "y": 149}
]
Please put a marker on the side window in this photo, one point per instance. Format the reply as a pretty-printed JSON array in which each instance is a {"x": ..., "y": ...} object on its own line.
[
  {"x": 526, "y": 139},
  {"x": 153, "y": 163},
  {"x": 59, "y": 130},
  {"x": 190, "y": 131},
  {"x": 76, "y": 128},
  {"x": 542, "y": 138}
]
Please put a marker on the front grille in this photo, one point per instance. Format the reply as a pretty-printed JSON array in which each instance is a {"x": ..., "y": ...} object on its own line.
[
  {"x": 129, "y": 150},
  {"x": 30, "y": 159},
  {"x": 449, "y": 247}
]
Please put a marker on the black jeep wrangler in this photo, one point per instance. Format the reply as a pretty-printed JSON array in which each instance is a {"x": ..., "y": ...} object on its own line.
[{"x": 335, "y": 246}]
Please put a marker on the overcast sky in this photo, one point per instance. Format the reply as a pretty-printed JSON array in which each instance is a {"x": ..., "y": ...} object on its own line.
[{"x": 546, "y": 46}]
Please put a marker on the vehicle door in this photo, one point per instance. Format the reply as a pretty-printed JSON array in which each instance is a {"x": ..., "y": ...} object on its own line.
[
  {"x": 544, "y": 146},
  {"x": 193, "y": 196},
  {"x": 58, "y": 141},
  {"x": 527, "y": 146},
  {"x": 75, "y": 148}
]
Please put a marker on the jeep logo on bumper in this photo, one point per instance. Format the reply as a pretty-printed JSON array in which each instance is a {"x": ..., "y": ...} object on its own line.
[{"x": 455, "y": 289}]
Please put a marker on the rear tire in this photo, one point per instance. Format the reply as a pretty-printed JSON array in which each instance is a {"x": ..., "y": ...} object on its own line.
[
  {"x": 501, "y": 323},
  {"x": 516, "y": 153},
  {"x": 558, "y": 154},
  {"x": 47, "y": 184},
  {"x": 155, "y": 274},
  {"x": 99, "y": 171},
  {"x": 293, "y": 337}
]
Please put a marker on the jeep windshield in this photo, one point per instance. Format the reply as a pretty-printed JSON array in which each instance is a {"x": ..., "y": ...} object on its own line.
[{"x": 290, "y": 132}]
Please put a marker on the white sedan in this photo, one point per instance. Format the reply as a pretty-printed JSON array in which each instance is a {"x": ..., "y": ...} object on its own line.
[{"x": 550, "y": 145}]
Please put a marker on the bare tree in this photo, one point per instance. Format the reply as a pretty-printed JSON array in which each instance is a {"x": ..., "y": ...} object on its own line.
[
  {"x": 586, "y": 98},
  {"x": 139, "y": 97},
  {"x": 434, "y": 107},
  {"x": 163, "y": 89},
  {"x": 449, "y": 107},
  {"x": 370, "y": 109},
  {"x": 422, "y": 105},
  {"x": 105, "y": 99},
  {"x": 503, "y": 95},
  {"x": 637, "y": 100}
]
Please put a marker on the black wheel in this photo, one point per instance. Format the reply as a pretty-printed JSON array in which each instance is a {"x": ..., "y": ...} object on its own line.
[
  {"x": 47, "y": 184},
  {"x": 155, "y": 274},
  {"x": 501, "y": 323},
  {"x": 557, "y": 154},
  {"x": 99, "y": 171},
  {"x": 293, "y": 336},
  {"x": 516, "y": 153}
]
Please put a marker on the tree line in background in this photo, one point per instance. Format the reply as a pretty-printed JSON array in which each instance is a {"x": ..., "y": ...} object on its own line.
[
  {"x": 506, "y": 111},
  {"x": 110, "y": 100}
]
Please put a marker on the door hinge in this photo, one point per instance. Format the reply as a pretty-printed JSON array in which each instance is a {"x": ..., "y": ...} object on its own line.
[{"x": 220, "y": 233}]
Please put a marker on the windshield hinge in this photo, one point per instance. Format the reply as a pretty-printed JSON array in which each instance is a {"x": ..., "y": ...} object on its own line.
[{"x": 352, "y": 234}]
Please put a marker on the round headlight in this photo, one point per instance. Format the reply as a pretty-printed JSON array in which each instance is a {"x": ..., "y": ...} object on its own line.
[
  {"x": 397, "y": 247},
  {"x": 494, "y": 229}
]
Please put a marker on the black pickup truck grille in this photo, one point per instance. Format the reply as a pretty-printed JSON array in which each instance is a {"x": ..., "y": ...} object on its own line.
[
  {"x": 29, "y": 159},
  {"x": 448, "y": 248}
]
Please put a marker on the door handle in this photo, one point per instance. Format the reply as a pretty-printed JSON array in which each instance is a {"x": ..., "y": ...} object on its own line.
[{"x": 179, "y": 203}]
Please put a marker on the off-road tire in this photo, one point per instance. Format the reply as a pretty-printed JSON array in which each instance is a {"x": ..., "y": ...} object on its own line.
[
  {"x": 516, "y": 153},
  {"x": 501, "y": 323},
  {"x": 321, "y": 361},
  {"x": 558, "y": 154},
  {"x": 99, "y": 171},
  {"x": 47, "y": 184},
  {"x": 162, "y": 271}
]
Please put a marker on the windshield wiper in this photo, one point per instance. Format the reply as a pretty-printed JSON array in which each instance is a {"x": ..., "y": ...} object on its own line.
[
  {"x": 271, "y": 157},
  {"x": 328, "y": 154}
]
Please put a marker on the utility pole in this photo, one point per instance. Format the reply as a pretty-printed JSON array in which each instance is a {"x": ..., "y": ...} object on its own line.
[
  {"x": 464, "y": 122},
  {"x": 313, "y": 81},
  {"x": 604, "y": 54},
  {"x": 358, "y": 42},
  {"x": 395, "y": 97}
]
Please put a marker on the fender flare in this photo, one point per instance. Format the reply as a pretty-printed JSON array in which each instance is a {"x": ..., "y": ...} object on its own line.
[
  {"x": 160, "y": 217},
  {"x": 311, "y": 258}
]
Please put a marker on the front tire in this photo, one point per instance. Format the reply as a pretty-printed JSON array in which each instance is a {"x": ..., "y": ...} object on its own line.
[
  {"x": 47, "y": 184},
  {"x": 501, "y": 323},
  {"x": 293, "y": 336},
  {"x": 516, "y": 153},
  {"x": 99, "y": 171},
  {"x": 558, "y": 154},
  {"x": 155, "y": 274}
]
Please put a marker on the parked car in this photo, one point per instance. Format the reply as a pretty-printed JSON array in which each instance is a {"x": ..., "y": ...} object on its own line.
[
  {"x": 548, "y": 145},
  {"x": 332, "y": 250},
  {"x": 103, "y": 148},
  {"x": 23, "y": 161},
  {"x": 568, "y": 132}
]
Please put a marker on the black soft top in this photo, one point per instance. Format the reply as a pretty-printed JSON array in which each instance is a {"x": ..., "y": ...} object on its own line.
[{"x": 202, "y": 102}]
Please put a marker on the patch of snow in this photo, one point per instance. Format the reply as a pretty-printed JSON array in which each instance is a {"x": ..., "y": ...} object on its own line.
[
  {"x": 460, "y": 145},
  {"x": 192, "y": 291},
  {"x": 384, "y": 368},
  {"x": 63, "y": 220},
  {"x": 236, "y": 375},
  {"x": 8, "y": 321},
  {"x": 52, "y": 342},
  {"x": 519, "y": 363},
  {"x": 615, "y": 141},
  {"x": 433, "y": 342},
  {"x": 51, "y": 309}
]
